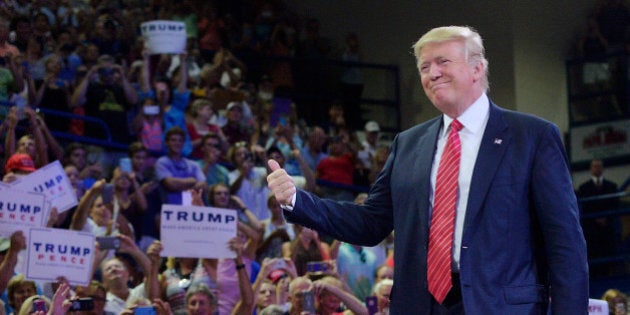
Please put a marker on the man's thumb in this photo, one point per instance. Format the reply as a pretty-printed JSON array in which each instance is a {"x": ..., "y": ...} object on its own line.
[{"x": 273, "y": 165}]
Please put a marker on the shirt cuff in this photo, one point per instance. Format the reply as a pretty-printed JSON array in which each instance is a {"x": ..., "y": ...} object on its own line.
[{"x": 289, "y": 207}]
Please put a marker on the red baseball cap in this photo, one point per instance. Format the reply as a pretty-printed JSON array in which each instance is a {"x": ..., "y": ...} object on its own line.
[{"x": 20, "y": 162}]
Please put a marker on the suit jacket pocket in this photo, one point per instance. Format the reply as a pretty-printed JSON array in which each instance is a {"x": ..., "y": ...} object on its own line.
[{"x": 525, "y": 294}]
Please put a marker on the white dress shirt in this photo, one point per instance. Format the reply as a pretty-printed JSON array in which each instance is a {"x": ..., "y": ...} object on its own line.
[{"x": 474, "y": 120}]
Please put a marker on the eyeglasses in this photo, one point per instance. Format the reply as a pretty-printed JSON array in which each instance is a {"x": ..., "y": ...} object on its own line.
[
  {"x": 240, "y": 144},
  {"x": 219, "y": 193}
]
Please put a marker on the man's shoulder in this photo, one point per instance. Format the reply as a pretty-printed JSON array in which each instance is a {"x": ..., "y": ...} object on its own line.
[
  {"x": 162, "y": 160},
  {"x": 515, "y": 119}
]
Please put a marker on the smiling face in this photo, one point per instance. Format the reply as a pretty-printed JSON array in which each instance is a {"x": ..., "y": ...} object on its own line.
[
  {"x": 22, "y": 292},
  {"x": 450, "y": 82}
]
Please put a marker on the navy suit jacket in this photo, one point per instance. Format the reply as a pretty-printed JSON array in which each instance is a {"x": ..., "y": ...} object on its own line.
[{"x": 522, "y": 244}]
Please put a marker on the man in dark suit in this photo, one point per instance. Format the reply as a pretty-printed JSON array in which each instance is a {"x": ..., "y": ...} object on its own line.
[
  {"x": 601, "y": 232},
  {"x": 514, "y": 243}
]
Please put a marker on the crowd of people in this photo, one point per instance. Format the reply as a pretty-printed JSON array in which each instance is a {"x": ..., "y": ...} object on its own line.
[{"x": 200, "y": 126}]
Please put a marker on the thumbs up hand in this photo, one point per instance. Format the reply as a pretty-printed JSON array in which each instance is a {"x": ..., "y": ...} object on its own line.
[{"x": 280, "y": 183}]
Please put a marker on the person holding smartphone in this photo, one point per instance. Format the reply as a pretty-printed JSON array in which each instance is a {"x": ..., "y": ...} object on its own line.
[
  {"x": 94, "y": 215},
  {"x": 53, "y": 93}
]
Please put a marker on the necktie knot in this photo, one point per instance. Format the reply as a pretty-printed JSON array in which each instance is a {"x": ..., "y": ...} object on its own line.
[{"x": 456, "y": 126}]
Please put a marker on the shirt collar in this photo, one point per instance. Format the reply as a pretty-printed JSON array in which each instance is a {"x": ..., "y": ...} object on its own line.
[{"x": 473, "y": 119}]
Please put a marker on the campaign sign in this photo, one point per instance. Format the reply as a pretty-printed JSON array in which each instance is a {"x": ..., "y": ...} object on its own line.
[
  {"x": 164, "y": 37},
  {"x": 197, "y": 232},
  {"x": 58, "y": 252},
  {"x": 52, "y": 181},
  {"x": 21, "y": 210}
]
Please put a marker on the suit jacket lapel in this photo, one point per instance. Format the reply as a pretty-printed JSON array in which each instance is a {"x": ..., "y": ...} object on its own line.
[
  {"x": 494, "y": 144},
  {"x": 424, "y": 163}
]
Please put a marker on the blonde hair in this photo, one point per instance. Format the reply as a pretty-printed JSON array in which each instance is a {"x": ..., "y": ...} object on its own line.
[
  {"x": 198, "y": 104},
  {"x": 27, "y": 306},
  {"x": 473, "y": 45}
]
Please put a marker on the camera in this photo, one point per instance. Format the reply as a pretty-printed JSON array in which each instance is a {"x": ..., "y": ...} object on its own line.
[
  {"x": 39, "y": 305},
  {"x": 82, "y": 304},
  {"x": 125, "y": 164},
  {"x": 108, "y": 242},
  {"x": 371, "y": 303},
  {"x": 308, "y": 302},
  {"x": 107, "y": 193},
  {"x": 144, "y": 310},
  {"x": 316, "y": 266},
  {"x": 151, "y": 109},
  {"x": 105, "y": 71}
]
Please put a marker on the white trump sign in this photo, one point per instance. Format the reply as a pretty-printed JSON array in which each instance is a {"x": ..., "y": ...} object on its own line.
[
  {"x": 57, "y": 252},
  {"x": 197, "y": 232},
  {"x": 52, "y": 181},
  {"x": 164, "y": 37},
  {"x": 20, "y": 210}
]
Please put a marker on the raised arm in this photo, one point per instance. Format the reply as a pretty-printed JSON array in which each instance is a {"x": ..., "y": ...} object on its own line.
[
  {"x": 81, "y": 214},
  {"x": 152, "y": 282},
  {"x": 7, "y": 266},
  {"x": 247, "y": 303},
  {"x": 79, "y": 96}
]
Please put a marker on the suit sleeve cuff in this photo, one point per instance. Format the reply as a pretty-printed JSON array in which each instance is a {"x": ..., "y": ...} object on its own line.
[{"x": 290, "y": 207}]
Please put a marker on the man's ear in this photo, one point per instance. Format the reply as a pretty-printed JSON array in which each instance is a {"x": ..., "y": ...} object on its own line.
[{"x": 478, "y": 70}]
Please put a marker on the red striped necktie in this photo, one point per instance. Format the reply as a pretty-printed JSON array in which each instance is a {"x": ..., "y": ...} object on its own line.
[{"x": 443, "y": 218}]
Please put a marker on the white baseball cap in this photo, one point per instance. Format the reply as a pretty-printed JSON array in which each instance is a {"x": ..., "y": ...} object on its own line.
[{"x": 372, "y": 126}]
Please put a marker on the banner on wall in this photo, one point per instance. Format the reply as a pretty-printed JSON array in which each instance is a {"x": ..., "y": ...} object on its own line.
[
  {"x": 164, "y": 37},
  {"x": 601, "y": 141}
]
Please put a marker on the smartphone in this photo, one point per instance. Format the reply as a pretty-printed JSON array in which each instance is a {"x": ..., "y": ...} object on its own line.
[
  {"x": 82, "y": 304},
  {"x": 371, "y": 303},
  {"x": 279, "y": 264},
  {"x": 282, "y": 121},
  {"x": 55, "y": 286},
  {"x": 151, "y": 110},
  {"x": 39, "y": 305},
  {"x": 107, "y": 193},
  {"x": 108, "y": 242},
  {"x": 125, "y": 164},
  {"x": 316, "y": 266},
  {"x": 308, "y": 302},
  {"x": 144, "y": 310}
]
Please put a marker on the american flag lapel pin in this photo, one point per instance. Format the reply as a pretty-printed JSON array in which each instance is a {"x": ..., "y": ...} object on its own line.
[{"x": 498, "y": 141}]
